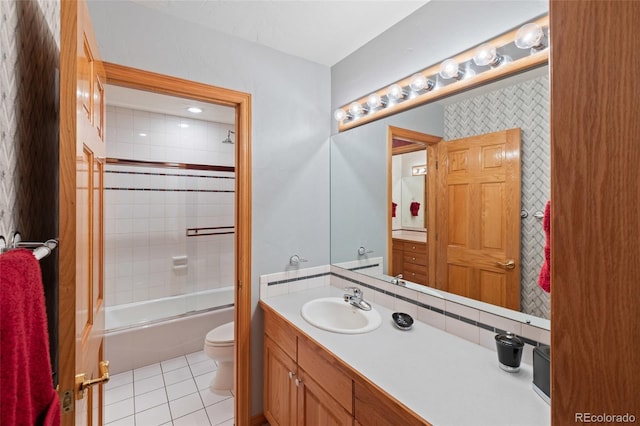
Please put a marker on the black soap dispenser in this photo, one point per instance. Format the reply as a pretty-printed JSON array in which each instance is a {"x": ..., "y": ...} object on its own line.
[{"x": 509, "y": 347}]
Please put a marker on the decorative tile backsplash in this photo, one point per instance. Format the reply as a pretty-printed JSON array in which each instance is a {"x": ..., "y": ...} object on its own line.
[
  {"x": 474, "y": 325},
  {"x": 525, "y": 106}
]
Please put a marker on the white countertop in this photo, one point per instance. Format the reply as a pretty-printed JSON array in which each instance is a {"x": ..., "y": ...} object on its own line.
[
  {"x": 409, "y": 235},
  {"x": 443, "y": 378}
]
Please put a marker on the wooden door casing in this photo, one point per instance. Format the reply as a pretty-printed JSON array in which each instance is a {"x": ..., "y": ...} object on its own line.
[
  {"x": 479, "y": 217},
  {"x": 82, "y": 153}
]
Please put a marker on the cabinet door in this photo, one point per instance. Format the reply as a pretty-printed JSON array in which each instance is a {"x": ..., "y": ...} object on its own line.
[
  {"x": 316, "y": 407},
  {"x": 279, "y": 386},
  {"x": 397, "y": 258}
]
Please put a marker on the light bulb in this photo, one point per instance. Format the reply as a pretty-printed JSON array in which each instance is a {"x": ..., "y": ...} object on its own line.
[
  {"x": 420, "y": 82},
  {"x": 529, "y": 36},
  {"x": 486, "y": 54},
  {"x": 194, "y": 110},
  {"x": 395, "y": 92},
  {"x": 355, "y": 108},
  {"x": 450, "y": 69},
  {"x": 375, "y": 101},
  {"x": 340, "y": 114}
]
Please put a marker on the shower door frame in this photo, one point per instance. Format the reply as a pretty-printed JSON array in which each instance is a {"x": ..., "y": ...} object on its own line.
[{"x": 133, "y": 78}]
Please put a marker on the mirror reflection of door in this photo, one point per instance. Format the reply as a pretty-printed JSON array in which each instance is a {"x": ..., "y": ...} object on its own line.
[
  {"x": 411, "y": 213},
  {"x": 479, "y": 217}
]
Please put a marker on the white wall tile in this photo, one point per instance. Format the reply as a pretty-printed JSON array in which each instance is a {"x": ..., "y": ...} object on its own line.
[
  {"x": 462, "y": 329},
  {"x": 465, "y": 311}
]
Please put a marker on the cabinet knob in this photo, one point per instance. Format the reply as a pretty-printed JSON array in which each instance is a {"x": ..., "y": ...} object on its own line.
[
  {"x": 413, "y": 258},
  {"x": 298, "y": 382},
  {"x": 292, "y": 374}
]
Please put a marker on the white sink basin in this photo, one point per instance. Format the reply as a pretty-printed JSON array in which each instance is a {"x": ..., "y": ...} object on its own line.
[{"x": 334, "y": 314}]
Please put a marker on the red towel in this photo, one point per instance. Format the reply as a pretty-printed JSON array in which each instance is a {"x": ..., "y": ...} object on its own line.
[
  {"x": 27, "y": 396},
  {"x": 415, "y": 206},
  {"x": 393, "y": 209},
  {"x": 544, "y": 280}
]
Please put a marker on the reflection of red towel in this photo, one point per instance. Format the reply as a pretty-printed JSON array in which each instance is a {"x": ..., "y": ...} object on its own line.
[
  {"x": 27, "y": 396},
  {"x": 393, "y": 209},
  {"x": 544, "y": 280},
  {"x": 415, "y": 206}
]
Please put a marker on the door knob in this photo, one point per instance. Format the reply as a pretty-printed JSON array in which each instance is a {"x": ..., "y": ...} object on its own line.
[
  {"x": 509, "y": 264},
  {"x": 82, "y": 383}
]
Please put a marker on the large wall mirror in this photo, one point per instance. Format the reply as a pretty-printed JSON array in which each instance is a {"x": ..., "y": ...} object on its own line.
[{"x": 363, "y": 169}]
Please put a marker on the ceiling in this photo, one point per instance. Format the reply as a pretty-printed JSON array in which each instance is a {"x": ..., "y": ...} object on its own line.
[{"x": 321, "y": 31}]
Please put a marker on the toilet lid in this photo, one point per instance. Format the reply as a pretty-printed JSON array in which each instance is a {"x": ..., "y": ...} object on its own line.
[{"x": 221, "y": 334}]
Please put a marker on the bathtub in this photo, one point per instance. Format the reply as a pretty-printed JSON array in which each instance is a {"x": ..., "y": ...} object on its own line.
[{"x": 143, "y": 333}]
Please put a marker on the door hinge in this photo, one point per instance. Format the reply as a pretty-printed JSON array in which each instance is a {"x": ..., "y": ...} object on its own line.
[
  {"x": 436, "y": 164},
  {"x": 239, "y": 284},
  {"x": 67, "y": 401}
]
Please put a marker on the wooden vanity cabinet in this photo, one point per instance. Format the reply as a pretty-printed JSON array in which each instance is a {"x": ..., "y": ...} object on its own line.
[
  {"x": 373, "y": 407},
  {"x": 303, "y": 384},
  {"x": 410, "y": 258}
]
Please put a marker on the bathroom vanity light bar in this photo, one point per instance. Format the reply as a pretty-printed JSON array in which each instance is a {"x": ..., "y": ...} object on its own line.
[{"x": 513, "y": 52}]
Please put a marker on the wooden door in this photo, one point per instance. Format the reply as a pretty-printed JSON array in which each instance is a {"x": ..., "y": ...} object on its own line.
[
  {"x": 82, "y": 154},
  {"x": 479, "y": 217},
  {"x": 279, "y": 385},
  {"x": 316, "y": 407}
]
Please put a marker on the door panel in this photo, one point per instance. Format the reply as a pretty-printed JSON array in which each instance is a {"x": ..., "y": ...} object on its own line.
[
  {"x": 82, "y": 150},
  {"x": 479, "y": 224}
]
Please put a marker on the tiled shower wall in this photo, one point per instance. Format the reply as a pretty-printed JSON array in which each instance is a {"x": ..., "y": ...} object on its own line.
[
  {"x": 29, "y": 55},
  {"x": 525, "y": 106},
  {"x": 148, "y": 210}
]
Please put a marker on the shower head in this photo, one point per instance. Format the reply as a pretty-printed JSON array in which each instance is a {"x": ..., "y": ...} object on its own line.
[{"x": 228, "y": 139}]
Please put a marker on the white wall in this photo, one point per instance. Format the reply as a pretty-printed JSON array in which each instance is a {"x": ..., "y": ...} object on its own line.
[
  {"x": 291, "y": 125},
  {"x": 436, "y": 31}
]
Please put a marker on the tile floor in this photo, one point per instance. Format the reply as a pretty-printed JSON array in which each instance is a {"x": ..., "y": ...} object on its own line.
[{"x": 173, "y": 392}]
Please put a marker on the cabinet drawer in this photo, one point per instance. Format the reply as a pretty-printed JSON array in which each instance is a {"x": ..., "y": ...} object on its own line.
[
  {"x": 281, "y": 332},
  {"x": 415, "y": 258},
  {"x": 374, "y": 407},
  {"x": 414, "y": 247},
  {"x": 327, "y": 372}
]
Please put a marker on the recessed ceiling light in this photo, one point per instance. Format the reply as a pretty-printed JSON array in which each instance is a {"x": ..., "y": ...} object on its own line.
[
  {"x": 142, "y": 134},
  {"x": 194, "y": 110},
  {"x": 183, "y": 125}
]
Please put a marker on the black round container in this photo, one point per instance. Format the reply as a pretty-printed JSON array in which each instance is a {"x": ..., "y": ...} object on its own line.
[{"x": 509, "y": 347}]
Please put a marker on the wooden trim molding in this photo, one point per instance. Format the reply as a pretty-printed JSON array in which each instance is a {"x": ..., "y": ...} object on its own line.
[
  {"x": 429, "y": 142},
  {"x": 153, "y": 82},
  {"x": 595, "y": 225}
]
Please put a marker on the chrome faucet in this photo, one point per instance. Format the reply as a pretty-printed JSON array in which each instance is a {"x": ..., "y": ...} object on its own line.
[
  {"x": 355, "y": 298},
  {"x": 397, "y": 280}
]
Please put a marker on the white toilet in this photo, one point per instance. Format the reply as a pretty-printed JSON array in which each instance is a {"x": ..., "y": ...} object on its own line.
[{"x": 219, "y": 346}]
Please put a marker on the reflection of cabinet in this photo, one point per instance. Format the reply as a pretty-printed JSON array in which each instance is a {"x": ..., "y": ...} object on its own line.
[{"x": 410, "y": 258}]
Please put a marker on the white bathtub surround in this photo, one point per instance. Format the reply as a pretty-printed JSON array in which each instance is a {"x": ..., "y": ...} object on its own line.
[
  {"x": 148, "y": 210},
  {"x": 130, "y": 346},
  {"x": 444, "y": 379}
]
